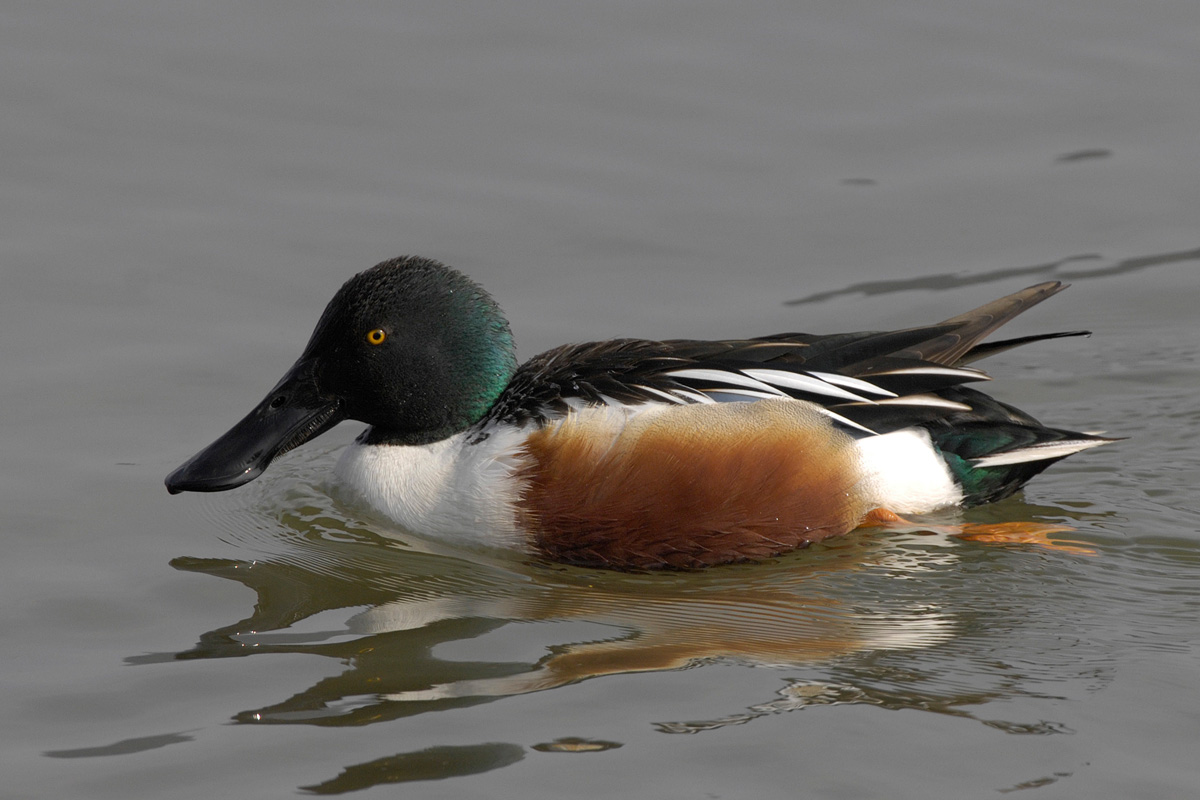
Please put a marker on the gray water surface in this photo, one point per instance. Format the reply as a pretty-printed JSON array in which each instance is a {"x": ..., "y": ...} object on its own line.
[{"x": 183, "y": 187}]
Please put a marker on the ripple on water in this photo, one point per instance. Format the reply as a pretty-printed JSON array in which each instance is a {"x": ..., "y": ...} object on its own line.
[{"x": 911, "y": 620}]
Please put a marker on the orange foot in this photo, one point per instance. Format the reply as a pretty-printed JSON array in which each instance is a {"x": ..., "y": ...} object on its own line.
[{"x": 1035, "y": 533}]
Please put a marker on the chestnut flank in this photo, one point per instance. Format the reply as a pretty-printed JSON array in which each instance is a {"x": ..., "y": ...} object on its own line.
[{"x": 688, "y": 486}]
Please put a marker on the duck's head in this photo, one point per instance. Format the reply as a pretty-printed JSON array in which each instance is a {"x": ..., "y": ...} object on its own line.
[{"x": 412, "y": 347}]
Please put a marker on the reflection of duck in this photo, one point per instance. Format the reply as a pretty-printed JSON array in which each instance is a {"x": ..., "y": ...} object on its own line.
[
  {"x": 671, "y": 631},
  {"x": 402, "y": 626},
  {"x": 409, "y": 609},
  {"x": 631, "y": 453}
]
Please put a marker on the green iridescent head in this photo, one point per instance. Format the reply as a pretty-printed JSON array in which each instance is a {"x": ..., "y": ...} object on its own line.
[{"x": 413, "y": 348}]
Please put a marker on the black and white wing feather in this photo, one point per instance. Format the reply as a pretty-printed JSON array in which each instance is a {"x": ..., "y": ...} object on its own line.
[{"x": 867, "y": 383}]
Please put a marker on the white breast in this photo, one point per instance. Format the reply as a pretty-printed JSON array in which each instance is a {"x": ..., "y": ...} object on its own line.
[
  {"x": 464, "y": 492},
  {"x": 449, "y": 489}
]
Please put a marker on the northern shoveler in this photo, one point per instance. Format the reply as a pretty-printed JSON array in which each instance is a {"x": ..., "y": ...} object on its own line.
[{"x": 636, "y": 454}]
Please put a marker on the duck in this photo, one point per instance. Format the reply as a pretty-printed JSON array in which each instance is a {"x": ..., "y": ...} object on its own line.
[{"x": 635, "y": 454}]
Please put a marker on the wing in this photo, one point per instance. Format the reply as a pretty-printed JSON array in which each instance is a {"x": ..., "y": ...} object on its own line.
[{"x": 867, "y": 383}]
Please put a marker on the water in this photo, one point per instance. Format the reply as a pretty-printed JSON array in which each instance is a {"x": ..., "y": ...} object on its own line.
[{"x": 184, "y": 186}]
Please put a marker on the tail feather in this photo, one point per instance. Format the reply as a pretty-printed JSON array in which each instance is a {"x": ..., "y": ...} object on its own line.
[
  {"x": 994, "y": 449},
  {"x": 985, "y": 349},
  {"x": 1042, "y": 451},
  {"x": 969, "y": 328}
]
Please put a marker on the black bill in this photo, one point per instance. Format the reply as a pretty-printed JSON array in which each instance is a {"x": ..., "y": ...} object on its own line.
[{"x": 294, "y": 412}]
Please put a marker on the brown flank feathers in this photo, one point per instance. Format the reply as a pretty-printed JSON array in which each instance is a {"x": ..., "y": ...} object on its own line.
[{"x": 688, "y": 486}]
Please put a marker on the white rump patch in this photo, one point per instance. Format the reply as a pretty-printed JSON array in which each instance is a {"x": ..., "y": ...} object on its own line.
[{"x": 905, "y": 474}]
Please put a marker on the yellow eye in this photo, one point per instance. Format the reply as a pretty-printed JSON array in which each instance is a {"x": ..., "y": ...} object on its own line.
[{"x": 376, "y": 336}]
